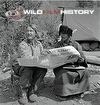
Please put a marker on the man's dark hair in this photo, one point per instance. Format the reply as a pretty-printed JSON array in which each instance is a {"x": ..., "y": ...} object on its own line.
[
  {"x": 65, "y": 30},
  {"x": 33, "y": 28}
]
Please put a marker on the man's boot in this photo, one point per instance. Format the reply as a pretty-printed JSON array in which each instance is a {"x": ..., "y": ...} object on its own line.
[
  {"x": 22, "y": 99},
  {"x": 19, "y": 91},
  {"x": 32, "y": 97}
]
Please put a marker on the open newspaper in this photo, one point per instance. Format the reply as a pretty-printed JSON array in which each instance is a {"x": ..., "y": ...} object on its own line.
[{"x": 55, "y": 58}]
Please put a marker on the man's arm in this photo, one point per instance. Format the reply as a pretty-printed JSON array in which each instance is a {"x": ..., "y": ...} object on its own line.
[
  {"x": 82, "y": 61},
  {"x": 25, "y": 50},
  {"x": 41, "y": 46},
  {"x": 18, "y": 54}
]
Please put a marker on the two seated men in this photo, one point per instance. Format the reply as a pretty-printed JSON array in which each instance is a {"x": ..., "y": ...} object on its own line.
[{"x": 67, "y": 82}]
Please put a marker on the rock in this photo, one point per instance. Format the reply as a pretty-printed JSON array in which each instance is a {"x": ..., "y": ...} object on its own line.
[
  {"x": 4, "y": 76},
  {"x": 0, "y": 86},
  {"x": 94, "y": 82}
]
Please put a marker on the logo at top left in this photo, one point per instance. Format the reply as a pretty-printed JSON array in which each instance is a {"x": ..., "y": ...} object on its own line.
[{"x": 16, "y": 15}]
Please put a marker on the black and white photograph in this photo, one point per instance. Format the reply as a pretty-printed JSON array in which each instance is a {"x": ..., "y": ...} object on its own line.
[{"x": 49, "y": 52}]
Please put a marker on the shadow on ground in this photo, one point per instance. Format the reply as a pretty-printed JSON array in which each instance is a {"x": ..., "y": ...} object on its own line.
[
  {"x": 93, "y": 98},
  {"x": 48, "y": 89},
  {"x": 6, "y": 93}
]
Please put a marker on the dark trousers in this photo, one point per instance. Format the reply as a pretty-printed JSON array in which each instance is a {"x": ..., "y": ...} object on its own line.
[{"x": 30, "y": 76}]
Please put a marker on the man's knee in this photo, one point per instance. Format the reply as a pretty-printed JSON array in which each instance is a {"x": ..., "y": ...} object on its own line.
[
  {"x": 26, "y": 77},
  {"x": 44, "y": 71},
  {"x": 41, "y": 71}
]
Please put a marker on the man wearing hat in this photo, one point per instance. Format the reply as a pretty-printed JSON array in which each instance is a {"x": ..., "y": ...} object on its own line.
[{"x": 70, "y": 81}]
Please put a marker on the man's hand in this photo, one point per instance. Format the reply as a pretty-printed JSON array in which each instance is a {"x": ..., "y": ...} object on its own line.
[
  {"x": 80, "y": 60},
  {"x": 45, "y": 52},
  {"x": 36, "y": 58}
]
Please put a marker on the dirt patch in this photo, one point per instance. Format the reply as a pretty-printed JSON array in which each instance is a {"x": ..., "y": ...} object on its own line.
[{"x": 46, "y": 94}]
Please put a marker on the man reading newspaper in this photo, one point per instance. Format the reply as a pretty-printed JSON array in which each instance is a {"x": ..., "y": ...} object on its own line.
[
  {"x": 70, "y": 79},
  {"x": 67, "y": 53}
]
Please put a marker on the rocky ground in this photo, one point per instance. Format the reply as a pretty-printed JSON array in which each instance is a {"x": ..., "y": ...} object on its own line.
[{"x": 46, "y": 95}]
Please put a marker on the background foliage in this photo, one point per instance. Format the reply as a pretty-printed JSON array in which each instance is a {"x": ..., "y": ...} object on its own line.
[{"x": 13, "y": 32}]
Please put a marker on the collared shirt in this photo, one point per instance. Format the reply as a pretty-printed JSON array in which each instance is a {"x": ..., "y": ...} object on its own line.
[{"x": 27, "y": 50}]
